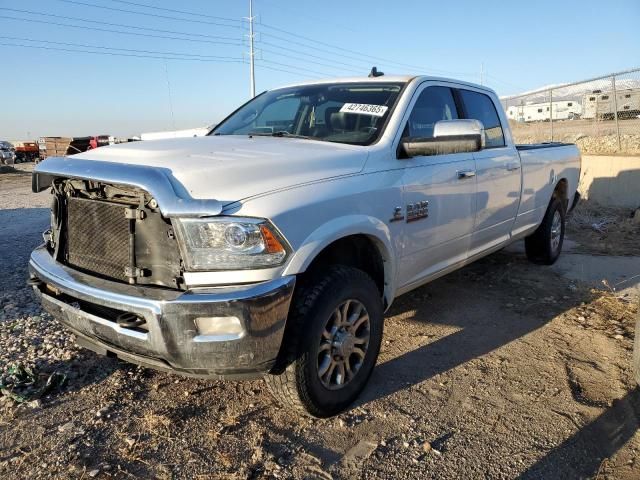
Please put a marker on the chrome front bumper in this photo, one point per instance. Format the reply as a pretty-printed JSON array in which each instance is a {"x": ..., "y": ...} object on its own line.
[{"x": 170, "y": 339}]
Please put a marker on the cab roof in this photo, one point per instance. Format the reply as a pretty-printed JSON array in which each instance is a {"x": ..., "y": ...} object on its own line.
[{"x": 384, "y": 79}]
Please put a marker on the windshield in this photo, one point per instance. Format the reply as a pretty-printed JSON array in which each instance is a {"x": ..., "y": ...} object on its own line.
[{"x": 353, "y": 113}]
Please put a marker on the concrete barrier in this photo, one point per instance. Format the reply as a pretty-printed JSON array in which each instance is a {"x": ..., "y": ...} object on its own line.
[{"x": 611, "y": 180}]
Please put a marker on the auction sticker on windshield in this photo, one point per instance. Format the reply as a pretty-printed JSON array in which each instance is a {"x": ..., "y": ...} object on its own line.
[{"x": 364, "y": 109}]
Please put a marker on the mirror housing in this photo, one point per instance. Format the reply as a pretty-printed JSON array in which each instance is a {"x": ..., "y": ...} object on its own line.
[{"x": 449, "y": 136}]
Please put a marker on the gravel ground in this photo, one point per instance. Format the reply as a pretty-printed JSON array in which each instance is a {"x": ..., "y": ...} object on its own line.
[
  {"x": 591, "y": 137},
  {"x": 500, "y": 370}
]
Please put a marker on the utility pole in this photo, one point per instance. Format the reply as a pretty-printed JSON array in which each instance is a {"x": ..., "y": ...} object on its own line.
[
  {"x": 482, "y": 73},
  {"x": 252, "y": 75}
]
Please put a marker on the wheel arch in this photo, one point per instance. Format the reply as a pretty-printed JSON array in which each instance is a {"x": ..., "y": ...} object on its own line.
[
  {"x": 561, "y": 191},
  {"x": 359, "y": 241}
]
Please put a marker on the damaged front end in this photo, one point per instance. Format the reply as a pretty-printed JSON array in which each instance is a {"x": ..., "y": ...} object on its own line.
[
  {"x": 113, "y": 220},
  {"x": 111, "y": 270}
]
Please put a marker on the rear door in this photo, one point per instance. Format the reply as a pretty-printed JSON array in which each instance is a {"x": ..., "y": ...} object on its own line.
[
  {"x": 498, "y": 174},
  {"x": 439, "y": 203}
]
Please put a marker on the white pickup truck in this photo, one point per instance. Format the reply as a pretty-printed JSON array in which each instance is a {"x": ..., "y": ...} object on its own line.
[{"x": 273, "y": 246}]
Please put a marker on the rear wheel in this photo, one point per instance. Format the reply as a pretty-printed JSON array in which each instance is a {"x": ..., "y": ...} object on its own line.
[
  {"x": 545, "y": 244},
  {"x": 332, "y": 342}
]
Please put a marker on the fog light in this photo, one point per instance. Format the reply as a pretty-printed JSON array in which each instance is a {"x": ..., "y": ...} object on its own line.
[{"x": 223, "y": 328}]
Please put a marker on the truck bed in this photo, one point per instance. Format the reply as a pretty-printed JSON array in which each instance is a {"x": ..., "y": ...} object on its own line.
[{"x": 536, "y": 146}]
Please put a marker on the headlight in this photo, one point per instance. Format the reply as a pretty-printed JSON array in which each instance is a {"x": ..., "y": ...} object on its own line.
[{"x": 227, "y": 243}]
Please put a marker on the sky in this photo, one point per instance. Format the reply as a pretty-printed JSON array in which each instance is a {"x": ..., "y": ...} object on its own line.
[{"x": 185, "y": 64}]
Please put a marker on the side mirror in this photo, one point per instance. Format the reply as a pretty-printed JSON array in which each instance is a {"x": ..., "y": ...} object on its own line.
[{"x": 449, "y": 136}]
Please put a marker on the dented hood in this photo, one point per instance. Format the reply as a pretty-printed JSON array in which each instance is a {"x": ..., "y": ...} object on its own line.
[{"x": 232, "y": 168}]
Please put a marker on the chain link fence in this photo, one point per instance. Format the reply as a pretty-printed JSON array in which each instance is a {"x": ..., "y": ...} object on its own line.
[{"x": 601, "y": 115}]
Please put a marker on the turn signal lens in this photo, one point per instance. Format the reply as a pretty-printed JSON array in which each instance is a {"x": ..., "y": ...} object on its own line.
[{"x": 271, "y": 243}]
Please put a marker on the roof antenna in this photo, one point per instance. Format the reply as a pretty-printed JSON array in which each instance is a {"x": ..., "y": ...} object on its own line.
[{"x": 375, "y": 73}]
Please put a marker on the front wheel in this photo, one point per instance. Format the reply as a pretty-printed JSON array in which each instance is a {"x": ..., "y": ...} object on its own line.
[
  {"x": 545, "y": 244},
  {"x": 332, "y": 342}
]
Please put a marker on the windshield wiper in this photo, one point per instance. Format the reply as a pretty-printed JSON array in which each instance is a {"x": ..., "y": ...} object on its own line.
[
  {"x": 284, "y": 133},
  {"x": 280, "y": 133}
]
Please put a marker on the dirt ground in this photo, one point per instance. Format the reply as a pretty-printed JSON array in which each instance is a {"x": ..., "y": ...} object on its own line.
[
  {"x": 605, "y": 231},
  {"x": 503, "y": 369}
]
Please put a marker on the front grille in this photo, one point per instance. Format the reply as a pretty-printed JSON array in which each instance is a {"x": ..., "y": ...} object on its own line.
[{"x": 97, "y": 237}]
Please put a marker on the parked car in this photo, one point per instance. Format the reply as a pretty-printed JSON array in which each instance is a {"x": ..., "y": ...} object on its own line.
[
  {"x": 273, "y": 246},
  {"x": 7, "y": 153}
]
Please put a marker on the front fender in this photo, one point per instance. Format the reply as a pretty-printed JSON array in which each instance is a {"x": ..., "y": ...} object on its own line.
[{"x": 345, "y": 226}]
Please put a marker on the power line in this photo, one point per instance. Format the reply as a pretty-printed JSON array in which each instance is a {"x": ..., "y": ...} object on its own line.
[
  {"x": 343, "y": 49},
  {"x": 136, "y": 27},
  {"x": 117, "y": 54},
  {"x": 508, "y": 84},
  {"x": 31, "y": 12},
  {"x": 138, "y": 34},
  {"x": 282, "y": 70},
  {"x": 166, "y": 71},
  {"x": 315, "y": 18},
  {"x": 142, "y": 54},
  {"x": 340, "y": 48},
  {"x": 156, "y": 15},
  {"x": 156, "y": 57},
  {"x": 293, "y": 50},
  {"x": 358, "y": 59},
  {"x": 300, "y": 59},
  {"x": 286, "y": 65},
  {"x": 306, "y": 45},
  {"x": 252, "y": 53},
  {"x": 185, "y": 12},
  {"x": 102, "y": 47}
]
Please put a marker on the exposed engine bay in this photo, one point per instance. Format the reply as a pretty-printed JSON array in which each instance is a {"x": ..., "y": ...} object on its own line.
[{"x": 113, "y": 232}]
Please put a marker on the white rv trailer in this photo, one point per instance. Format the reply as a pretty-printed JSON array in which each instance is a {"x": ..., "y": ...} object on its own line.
[
  {"x": 600, "y": 105},
  {"x": 540, "y": 112}
]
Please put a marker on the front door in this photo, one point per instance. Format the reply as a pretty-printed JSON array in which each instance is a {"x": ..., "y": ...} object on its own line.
[{"x": 438, "y": 195}]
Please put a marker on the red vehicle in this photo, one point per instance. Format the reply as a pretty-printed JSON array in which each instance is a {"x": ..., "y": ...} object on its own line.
[{"x": 26, "y": 151}]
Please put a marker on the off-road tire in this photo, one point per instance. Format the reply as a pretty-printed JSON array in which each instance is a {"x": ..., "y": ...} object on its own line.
[
  {"x": 539, "y": 246},
  {"x": 298, "y": 386}
]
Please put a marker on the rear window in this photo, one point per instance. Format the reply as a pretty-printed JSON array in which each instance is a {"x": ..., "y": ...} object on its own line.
[{"x": 479, "y": 106}]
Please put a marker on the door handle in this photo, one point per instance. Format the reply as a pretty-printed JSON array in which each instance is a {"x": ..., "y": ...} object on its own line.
[
  {"x": 462, "y": 174},
  {"x": 513, "y": 166}
]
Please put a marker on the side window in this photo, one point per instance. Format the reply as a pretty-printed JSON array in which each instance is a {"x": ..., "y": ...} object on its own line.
[
  {"x": 433, "y": 104},
  {"x": 479, "y": 106}
]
